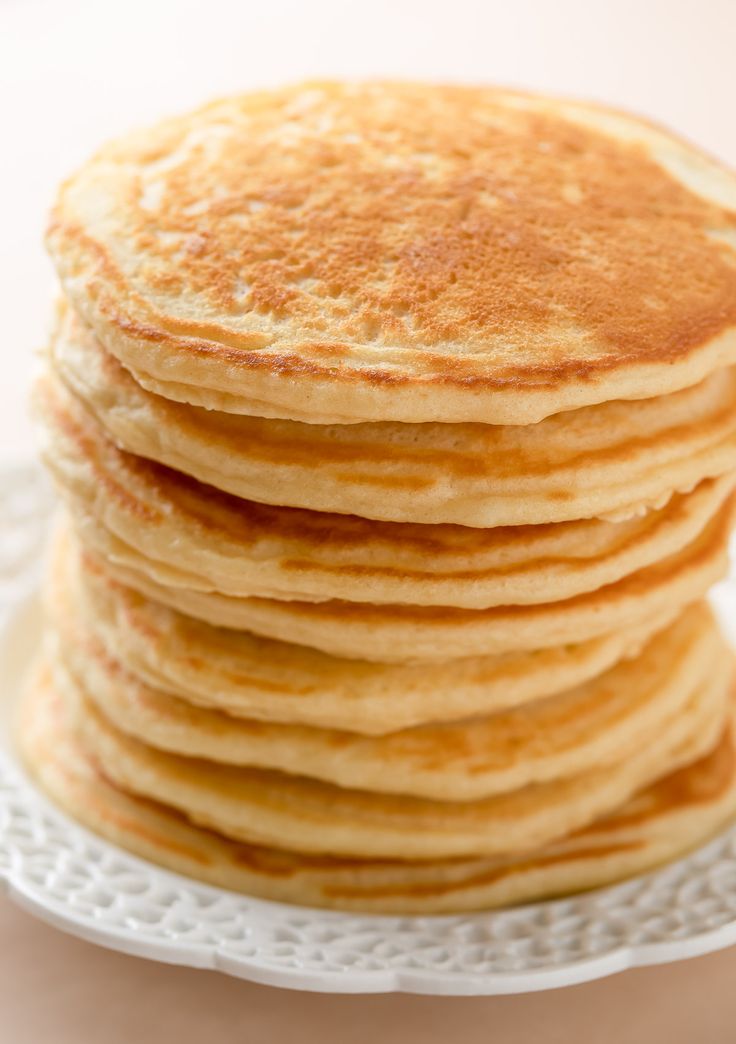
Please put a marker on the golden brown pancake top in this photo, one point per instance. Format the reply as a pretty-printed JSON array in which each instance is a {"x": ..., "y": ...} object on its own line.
[{"x": 402, "y": 234}]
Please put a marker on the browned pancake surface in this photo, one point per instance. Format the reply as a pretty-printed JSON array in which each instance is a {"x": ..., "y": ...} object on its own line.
[{"x": 404, "y": 251}]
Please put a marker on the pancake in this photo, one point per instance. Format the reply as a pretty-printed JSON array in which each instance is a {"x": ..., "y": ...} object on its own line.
[
  {"x": 673, "y": 815},
  {"x": 603, "y": 722},
  {"x": 263, "y": 680},
  {"x": 292, "y": 812},
  {"x": 346, "y": 252},
  {"x": 422, "y": 634},
  {"x": 612, "y": 459},
  {"x": 211, "y": 541}
]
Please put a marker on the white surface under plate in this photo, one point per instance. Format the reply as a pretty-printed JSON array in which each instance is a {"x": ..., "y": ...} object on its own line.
[{"x": 82, "y": 884}]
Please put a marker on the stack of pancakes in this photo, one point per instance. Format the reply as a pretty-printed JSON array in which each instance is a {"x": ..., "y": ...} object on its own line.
[{"x": 396, "y": 428}]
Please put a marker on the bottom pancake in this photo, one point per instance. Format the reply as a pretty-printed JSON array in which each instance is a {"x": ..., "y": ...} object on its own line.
[{"x": 662, "y": 822}]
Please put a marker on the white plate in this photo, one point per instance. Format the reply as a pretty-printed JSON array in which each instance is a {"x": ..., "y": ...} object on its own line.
[{"x": 82, "y": 884}]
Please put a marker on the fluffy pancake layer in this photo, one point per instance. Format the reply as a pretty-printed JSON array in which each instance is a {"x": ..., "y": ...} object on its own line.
[
  {"x": 204, "y": 539},
  {"x": 251, "y": 677},
  {"x": 345, "y": 252},
  {"x": 305, "y": 815},
  {"x": 600, "y": 723},
  {"x": 659, "y": 823},
  {"x": 614, "y": 458},
  {"x": 422, "y": 634}
]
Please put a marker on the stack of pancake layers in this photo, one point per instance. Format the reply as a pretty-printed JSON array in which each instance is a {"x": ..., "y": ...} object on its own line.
[{"x": 396, "y": 431}]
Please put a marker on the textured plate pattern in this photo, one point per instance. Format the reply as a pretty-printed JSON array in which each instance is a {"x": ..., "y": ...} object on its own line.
[{"x": 86, "y": 886}]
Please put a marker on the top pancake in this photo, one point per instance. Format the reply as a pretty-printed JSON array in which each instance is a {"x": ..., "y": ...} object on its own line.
[{"x": 383, "y": 251}]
